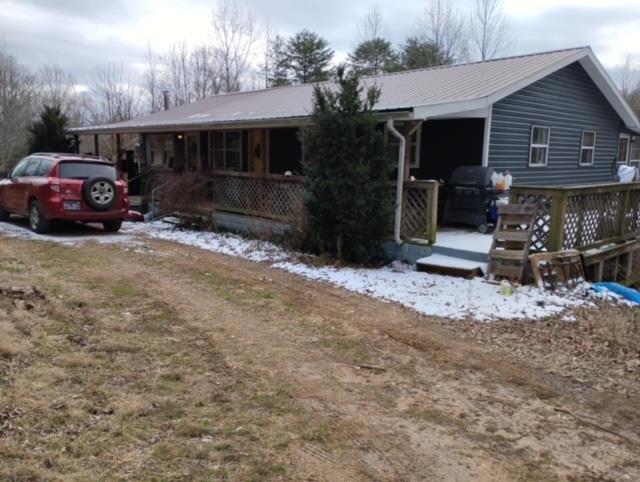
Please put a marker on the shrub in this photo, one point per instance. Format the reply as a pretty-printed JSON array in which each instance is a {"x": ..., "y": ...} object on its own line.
[{"x": 348, "y": 197}]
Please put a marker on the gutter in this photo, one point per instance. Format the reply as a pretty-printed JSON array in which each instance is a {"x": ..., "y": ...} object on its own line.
[{"x": 397, "y": 228}]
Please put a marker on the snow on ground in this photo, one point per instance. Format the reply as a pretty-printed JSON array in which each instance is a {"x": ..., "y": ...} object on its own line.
[
  {"x": 430, "y": 294},
  {"x": 466, "y": 240},
  {"x": 67, "y": 234}
]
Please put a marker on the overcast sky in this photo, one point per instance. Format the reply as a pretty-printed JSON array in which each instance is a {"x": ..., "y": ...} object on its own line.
[{"x": 79, "y": 35}]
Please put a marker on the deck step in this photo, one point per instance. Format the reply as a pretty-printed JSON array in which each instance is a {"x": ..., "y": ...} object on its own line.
[{"x": 449, "y": 266}]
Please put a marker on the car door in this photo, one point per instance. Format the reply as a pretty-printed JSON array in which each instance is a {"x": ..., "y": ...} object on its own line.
[
  {"x": 11, "y": 187},
  {"x": 27, "y": 184}
]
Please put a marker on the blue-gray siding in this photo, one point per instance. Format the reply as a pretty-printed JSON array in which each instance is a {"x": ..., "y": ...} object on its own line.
[{"x": 568, "y": 102}]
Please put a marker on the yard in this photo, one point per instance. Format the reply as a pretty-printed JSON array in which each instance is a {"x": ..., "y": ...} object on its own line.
[{"x": 140, "y": 358}]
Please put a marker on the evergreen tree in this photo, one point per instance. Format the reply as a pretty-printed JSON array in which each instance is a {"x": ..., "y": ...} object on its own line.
[
  {"x": 348, "y": 196},
  {"x": 418, "y": 54},
  {"x": 374, "y": 57},
  {"x": 47, "y": 134},
  {"x": 278, "y": 63},
  {"x": 308, "y": 57}
]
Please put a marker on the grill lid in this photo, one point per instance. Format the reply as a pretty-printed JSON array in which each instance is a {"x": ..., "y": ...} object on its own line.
[{"x": 471, "y": 176}]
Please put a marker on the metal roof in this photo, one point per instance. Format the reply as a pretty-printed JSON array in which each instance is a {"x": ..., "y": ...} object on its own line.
[{"x": 428, "y": 92}]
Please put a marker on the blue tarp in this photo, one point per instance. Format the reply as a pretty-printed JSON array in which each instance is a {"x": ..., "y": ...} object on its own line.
[{"x": 627, "y": 293}]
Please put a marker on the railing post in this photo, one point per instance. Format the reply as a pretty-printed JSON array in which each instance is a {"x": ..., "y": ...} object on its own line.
[
  {"x": 624, "y": 208},
  {"x": 557, "y": 213},
  {"x": 432, "y": 213}
]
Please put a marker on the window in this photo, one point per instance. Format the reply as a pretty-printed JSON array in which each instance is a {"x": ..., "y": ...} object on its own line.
[
  {"x": 623, "y": 149},
  {"x": 393, "y": 143},
  {"x": 587, "y": 148},
  {"x": 44, "y": 167},
  {"x": 31, "y": 168},
  {"x": 227, "y": 150},
  {"x": 86, "y": 170},
  {"x": 539, "y": 150},
  {"x": 18, "y": 171},
  {"x": 161, "y": 151}
]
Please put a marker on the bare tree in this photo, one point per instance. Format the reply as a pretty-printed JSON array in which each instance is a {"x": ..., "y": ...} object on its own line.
[
  {"x": 114, "y": 96},
  {"x": 152, "y": 80},
  {"x": 17, "y": 108},
  {"x": 489, "y": 28},
  {"x": 190, "y": 74},
  {"x": 444, "y": 27},
  {"x": 371, "y": 25},
  {"x": 56, "y": 87},
  {"x": 629, "y": 79},
  {"x": 234, "y": 36}
]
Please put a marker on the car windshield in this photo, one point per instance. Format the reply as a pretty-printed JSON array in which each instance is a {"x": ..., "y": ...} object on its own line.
[{"x": 86, "y": 170}]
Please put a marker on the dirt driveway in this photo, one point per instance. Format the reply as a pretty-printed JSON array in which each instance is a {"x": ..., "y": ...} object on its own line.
[{"x": 161, "y": 361}]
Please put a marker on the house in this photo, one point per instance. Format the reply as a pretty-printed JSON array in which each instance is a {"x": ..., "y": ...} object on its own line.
[{"x": 551, "y": 118}]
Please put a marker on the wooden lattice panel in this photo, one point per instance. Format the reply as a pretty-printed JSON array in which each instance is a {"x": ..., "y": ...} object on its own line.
[
  {"x": 415, "y": 219},
  {"x": 591, "y": 218},
  {"x": 542, "y": 224},
  {"x": 632, "y": 224},
  {"x": 258, "y": 196}
]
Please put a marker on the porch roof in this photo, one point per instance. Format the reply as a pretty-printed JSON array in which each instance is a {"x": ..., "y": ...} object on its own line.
[{"x": 438, "y": 91}]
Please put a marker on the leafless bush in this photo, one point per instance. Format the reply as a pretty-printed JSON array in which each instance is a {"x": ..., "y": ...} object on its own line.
[{"x": 181, "y": 193}]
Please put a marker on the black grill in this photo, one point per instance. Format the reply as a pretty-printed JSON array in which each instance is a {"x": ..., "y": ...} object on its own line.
[{"x": 470, "y": 195}]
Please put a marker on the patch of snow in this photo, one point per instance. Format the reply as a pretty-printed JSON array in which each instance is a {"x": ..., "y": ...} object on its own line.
[
  {"x": 224, "y": 243},
  {"x": 70, "y": 235},
  {"x": 466, "y": 240},
  {"x": 438, "y": 295},
  {"x": 450, "y": 261}
]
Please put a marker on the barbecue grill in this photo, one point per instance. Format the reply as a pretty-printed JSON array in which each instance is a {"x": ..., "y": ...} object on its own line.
[{"x": 470, "y": 197}]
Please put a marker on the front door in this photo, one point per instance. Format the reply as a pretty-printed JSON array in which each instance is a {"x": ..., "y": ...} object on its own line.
[{"x": 193, "y": 152}]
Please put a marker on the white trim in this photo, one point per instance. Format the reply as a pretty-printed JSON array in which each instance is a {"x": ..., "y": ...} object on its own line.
[
  {"x": 588, "y": 148},
  {"x": 487, "y": 138},
  {"x": 628, "y": 138},
  {"x": 539, "y": 146}
]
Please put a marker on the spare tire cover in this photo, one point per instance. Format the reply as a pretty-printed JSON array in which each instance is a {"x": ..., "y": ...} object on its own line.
[{"x": 100, "y": 193}]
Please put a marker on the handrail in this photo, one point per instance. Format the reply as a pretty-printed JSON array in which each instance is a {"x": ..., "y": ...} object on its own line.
[{"x": 153, "y": 193}]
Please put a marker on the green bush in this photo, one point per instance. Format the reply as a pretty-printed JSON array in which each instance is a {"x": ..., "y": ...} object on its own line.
[{"x": 348, "y": 193}]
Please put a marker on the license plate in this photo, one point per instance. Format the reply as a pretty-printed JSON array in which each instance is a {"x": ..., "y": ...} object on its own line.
[{"x": 71, "y": 205}]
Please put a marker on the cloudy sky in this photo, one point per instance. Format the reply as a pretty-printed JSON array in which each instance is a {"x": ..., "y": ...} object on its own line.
[{"x": 79, "y": 35}]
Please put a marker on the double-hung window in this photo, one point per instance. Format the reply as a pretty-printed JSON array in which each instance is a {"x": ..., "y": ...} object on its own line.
[
  {"x": 227, "y": 150},
  {"x": 623, "y": 148},
  {"x": 539, "y": 146},
  {"x": 587, "y": 148}
]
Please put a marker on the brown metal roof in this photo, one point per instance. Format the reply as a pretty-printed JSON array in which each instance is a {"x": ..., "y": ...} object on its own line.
[{"x": 460, "y": 87}]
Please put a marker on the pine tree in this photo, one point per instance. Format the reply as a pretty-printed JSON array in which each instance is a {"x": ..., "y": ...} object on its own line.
[
  {"x": 374, "y": 57},
  {"x": 348, "y": 197},
  {"x": 308, "y": 57},
  {"x": 278, "y": 69},
  {"x": 418, "y": 54},
  {"x": 47, "y": 134}
]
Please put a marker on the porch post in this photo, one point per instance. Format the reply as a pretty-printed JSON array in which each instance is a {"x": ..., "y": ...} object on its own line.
[
  {"x": 487, "y": 137},
  {"x": 119, "y": 162},
  {"x": 96, "y": 145}
]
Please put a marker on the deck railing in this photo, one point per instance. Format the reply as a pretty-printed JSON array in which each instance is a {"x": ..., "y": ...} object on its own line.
[
  {"x": 282, "y": 198},
  {"x": 419, "y": 211},
  {"x": 581, "y": 217},
  {"x": 269, "y": 196}
]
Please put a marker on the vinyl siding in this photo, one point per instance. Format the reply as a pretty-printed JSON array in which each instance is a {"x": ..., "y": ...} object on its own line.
[{"x": 567, "y": 102}]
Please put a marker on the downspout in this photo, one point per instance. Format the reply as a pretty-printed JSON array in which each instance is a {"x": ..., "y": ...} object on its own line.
[{"x": 400, "y": 182}]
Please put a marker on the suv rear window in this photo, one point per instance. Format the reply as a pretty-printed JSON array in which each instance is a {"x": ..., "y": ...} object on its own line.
[{"x": 86, "y": 170}]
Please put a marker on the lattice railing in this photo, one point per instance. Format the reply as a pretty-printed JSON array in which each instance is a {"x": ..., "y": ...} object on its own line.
[
  {"x": 267, "y": 196},
  {"x": 419, "y": 210},
  {"x": 582, "y": 217}
]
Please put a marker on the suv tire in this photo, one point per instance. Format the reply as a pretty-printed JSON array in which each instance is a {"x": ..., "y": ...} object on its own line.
[
  {"x": 100, "y": 193},
  {"x": 37, "y": 222},
  {"x": 4, "y": 215},
  {"x": 112, "y": 226}
]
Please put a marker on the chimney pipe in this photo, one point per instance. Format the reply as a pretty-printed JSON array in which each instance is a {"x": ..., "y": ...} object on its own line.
[{"x": 165, "y": 94}]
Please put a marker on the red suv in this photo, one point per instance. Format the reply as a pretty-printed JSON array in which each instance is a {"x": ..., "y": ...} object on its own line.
[{"x": 47, "y": 187}]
